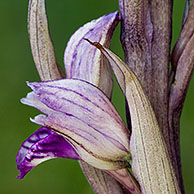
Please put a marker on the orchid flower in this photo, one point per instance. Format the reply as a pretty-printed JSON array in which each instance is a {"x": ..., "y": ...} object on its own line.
[{"x": 82, "y": 123}]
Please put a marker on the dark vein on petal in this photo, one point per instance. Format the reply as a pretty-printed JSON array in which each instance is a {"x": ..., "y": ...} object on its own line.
[
  {"x": 87, "y": 99},
  {"x": 64, "y": 99},
  {"x": 33, "y": 141},
  {"x": 25, "y": 147},
  {"x": 89, "y": 152},
  {"x": 112, "y": 140},
  {"x": 33, "y": 157},
  {"x": 83, "y": 121},
  {"x": 74, "y": 55}
]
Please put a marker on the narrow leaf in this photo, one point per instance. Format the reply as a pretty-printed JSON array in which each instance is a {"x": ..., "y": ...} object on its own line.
[
  {"x": 40, "y": 42},
  {"x": 184, "y": 38},
  {"x": 184, "y": 42}
]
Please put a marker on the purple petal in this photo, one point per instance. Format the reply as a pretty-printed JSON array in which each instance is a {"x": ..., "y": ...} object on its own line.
[
  {"x": 85, "y": 117},
  {"x": 43, "y": 145},
  {"x": 85, "y": 62}
]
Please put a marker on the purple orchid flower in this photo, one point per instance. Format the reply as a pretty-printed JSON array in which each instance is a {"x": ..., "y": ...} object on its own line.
[
  {"x": 84, "y": 116},
  {"x": 81, "y": 122}
]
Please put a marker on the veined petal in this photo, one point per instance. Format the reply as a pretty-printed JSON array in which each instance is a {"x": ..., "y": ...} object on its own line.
[
  {"x": 150, "y": 161},
  {"x": 84, "y": 115},
  {"x": 43, "y": 145},
  {"x": 87, "y": 63}
]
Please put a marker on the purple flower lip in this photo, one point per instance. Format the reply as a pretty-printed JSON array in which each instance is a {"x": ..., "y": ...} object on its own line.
[{"x": 43, "y": 145}]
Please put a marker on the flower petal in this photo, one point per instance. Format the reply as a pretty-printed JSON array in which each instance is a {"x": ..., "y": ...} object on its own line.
[
  {"x": 87, "y": 63},
  {"x": 151, "y": 164},
  {"x": 83, "y": 114},
  {"x": 43, "y": 145}
]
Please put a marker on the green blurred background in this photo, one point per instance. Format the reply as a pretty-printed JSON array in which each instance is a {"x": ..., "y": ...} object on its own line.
[{"x": 58, "y": 176}]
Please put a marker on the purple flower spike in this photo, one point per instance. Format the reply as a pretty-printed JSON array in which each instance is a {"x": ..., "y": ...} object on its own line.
[
  {"x": 43, "y": 145},
  {"x": 85, "y": 117}
]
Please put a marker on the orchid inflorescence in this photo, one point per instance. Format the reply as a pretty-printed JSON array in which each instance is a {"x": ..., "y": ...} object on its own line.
[{"x": 80, "y": 122}]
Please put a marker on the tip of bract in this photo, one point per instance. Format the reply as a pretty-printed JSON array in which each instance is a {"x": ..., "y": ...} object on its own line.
[{"x": 96, "y": 44}]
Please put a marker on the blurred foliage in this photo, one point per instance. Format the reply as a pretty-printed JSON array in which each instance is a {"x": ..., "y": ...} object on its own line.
[{"x": 58, "y": 176}]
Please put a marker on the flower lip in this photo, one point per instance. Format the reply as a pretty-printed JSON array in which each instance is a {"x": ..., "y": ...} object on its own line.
[{"x": 43, "y": 145}]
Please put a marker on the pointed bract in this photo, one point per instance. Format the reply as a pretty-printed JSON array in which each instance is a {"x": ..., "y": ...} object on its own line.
[
  {"x": 150, "y": 161},
  {"x": 43, "y": 145},
  {"x": 40, "y": 42}
]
